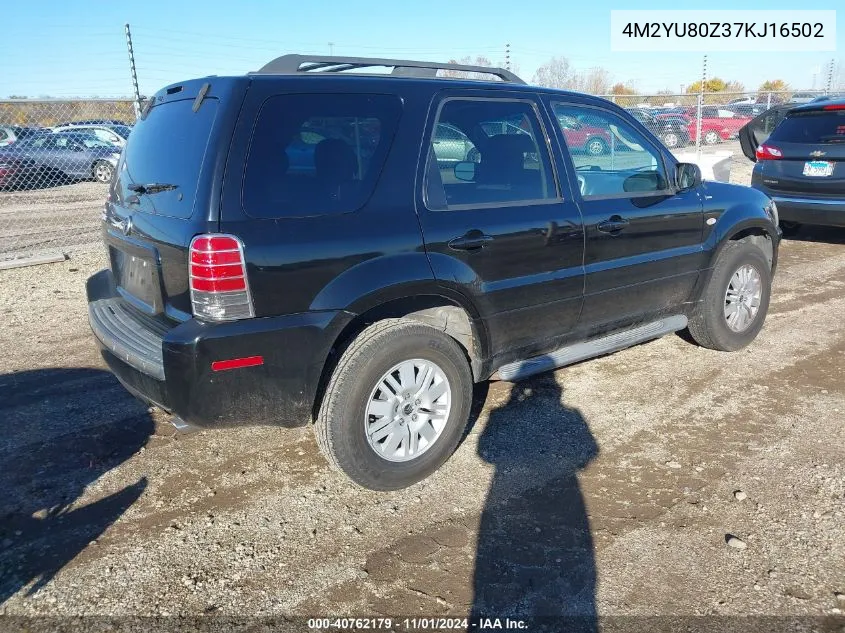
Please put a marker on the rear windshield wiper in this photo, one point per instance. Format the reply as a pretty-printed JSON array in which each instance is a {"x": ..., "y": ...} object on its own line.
[{"x": 150, "y": 188}]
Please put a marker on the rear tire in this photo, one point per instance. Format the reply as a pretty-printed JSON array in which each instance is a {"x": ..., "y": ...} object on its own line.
[
  {"x": 350, "y": 434},
  {"x": 595, "y": 147},
  {"x": 711, "y": 138},
  {"x": 723, "y": 318}
]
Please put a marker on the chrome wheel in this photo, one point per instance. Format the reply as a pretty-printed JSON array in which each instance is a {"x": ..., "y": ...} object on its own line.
[
  {"x": 711, "y": 138},
  {"x": 596, "y": 147},
  {"x": 671, "y": 140},
  {"x": 103, "y": 171},
  {"x": 407, "y": 410},
  {"x": 742, "y": 298}
]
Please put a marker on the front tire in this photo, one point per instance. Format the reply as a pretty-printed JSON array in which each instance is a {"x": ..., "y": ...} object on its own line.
[
  {"x": 711, "y": 138},
  {"x": 734, "y": 305},
  {"x": 396, "y": 405}
]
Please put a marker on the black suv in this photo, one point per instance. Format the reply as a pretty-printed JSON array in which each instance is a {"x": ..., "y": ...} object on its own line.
[
  {"x": 292, "y": 245},
  {"x": 800, "y": 156}
]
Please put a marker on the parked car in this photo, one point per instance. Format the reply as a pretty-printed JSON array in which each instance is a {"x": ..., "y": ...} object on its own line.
[
  {"x": 671, "y": 130},
  {"x": 11, "y": 173},
  {"x": 369, "y": 293},
  {"x": 717, "y": 124},
  {"x": 743, "y": 100},
  {"x": 113, "y": 134},
  {"x": 749, "y": 110},
  {"x": 93, "y": 122},
  {"x": 12, "y": 133},
  {"x": 803, "y": 97},
  {"x": 61, "y": 155},
  {"x": 580, "y": 135},
  {"x": 800, "y": 163}
]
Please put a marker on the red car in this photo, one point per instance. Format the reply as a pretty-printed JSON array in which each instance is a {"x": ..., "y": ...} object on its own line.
[
  {"x": 717, "y": 124},
  {"x": 582, "y": 136}
]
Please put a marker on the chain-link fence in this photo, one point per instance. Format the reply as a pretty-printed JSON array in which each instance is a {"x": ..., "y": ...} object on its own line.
[
  {"x": 708, "y": 119},
  {"x": 56, "y": 158}
]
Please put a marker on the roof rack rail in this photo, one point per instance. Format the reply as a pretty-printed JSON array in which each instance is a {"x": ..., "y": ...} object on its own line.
[{"x": 293, "y": 64}]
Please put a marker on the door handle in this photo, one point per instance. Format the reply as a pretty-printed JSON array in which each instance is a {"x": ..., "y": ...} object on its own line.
[
  {"x": 472, "y": 241},
  {"x": 614, "y": 224}
]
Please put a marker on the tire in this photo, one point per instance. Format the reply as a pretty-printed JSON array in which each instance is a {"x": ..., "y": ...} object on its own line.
[
  {"x": 790, "y": 228},
  {"x": 357, "y": 381},
  {"x": 670, "y": 140},
  {"x": 712, "y": 137},
  {"x": 595, "y": 147},
  {"x": 709, "y": 324},
  {"x": 473, "y": 155},
  {"x": 102, "y": 171}
]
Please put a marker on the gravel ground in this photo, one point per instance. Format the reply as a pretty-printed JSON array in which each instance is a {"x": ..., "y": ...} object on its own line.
[{"x": 662, "y": 480}]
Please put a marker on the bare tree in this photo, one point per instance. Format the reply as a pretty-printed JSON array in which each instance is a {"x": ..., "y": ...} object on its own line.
[
  {"x": 555, "y": 73},
  {"x": 479, "y": 60}
]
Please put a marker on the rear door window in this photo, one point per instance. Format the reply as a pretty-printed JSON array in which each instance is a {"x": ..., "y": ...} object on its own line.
[
  {"x": 819, "y": 126},
  {"x": 317, "y": 154}
]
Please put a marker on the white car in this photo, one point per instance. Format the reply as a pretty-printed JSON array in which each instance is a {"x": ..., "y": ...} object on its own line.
[
  {"x": 742, "y": 101},
  {"x": 114, "y": 134}
]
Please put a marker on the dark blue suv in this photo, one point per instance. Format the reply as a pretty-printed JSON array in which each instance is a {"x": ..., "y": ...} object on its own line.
[
  {"x": 286, "y": 247},
  {"x": 800, "y": 156}
]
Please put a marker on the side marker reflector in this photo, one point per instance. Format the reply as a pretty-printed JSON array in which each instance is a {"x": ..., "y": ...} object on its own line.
[{"x": 237, "y": 363}]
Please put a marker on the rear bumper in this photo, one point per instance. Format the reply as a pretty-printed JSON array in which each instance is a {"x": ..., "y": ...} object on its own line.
[
  {"x": 169, "y": 365},
  {"x": 810, "y": 210}
]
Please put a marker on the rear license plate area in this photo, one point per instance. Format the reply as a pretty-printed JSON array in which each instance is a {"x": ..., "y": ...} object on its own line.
[
  {"x": 818, "y": 168},
  {"x": 136, "y": 279}
]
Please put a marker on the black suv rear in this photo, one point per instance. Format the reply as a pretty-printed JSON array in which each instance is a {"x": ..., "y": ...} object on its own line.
[
  {"x": 801, "y": 162},
  {"x": 311, "y": 242}
]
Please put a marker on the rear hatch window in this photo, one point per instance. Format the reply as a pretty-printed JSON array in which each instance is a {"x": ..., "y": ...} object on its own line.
[
  {"x": 168, "y": 147},
  {"x": 317, "y": 154},
  {"x": 814, "y": 127}
]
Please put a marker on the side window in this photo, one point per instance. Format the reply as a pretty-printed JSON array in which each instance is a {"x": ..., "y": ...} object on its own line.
[
  {"x": 611, "y": 158},
  {"x": 487, "y": 152},
  {"x": 316, "y": 154}
]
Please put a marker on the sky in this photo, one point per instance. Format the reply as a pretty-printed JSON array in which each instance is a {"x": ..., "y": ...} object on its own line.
[{"x": 78, "y": 48}]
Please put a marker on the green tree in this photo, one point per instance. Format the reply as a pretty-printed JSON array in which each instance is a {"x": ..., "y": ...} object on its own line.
[
  {"x": 774, "y": 85},
  {"x": 711, "y": 85}
]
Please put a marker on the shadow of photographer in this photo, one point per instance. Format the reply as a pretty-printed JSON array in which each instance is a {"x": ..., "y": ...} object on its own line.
[{"x": 50, "y": 452}]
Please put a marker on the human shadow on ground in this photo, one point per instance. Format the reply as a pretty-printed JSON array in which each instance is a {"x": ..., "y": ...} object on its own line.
[
  {"x": 535, "y": 551},
  {"x": 60, "y": 430}
]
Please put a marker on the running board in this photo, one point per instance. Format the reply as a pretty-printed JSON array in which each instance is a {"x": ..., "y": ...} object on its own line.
[{"x": 590, "y": 349}]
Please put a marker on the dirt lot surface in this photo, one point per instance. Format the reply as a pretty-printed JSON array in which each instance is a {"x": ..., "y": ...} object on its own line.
[{"x": 664, "y": 479}]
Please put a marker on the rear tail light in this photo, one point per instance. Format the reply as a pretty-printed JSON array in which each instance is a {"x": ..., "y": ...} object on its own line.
[
  {"x": 834, "y": 106},
  {"x": 217, "y": 273},
  {"x": 769, "y": 152}
]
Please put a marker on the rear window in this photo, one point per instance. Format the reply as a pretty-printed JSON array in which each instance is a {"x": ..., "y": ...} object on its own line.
[
  {"x": 812, "y": 127},
  {"x": 168, "y": 147},
  {"x": 317, "y": 154}
]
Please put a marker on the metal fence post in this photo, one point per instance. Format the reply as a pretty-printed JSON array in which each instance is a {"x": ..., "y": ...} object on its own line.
[
  {"x": 700, "y": 106},
  {"x": 136, "y": 91}
]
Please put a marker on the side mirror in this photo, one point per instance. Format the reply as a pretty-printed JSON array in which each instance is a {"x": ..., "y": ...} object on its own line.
[
  {"x": 687, "y": 176},
  {"x": 465, "y": 171}
]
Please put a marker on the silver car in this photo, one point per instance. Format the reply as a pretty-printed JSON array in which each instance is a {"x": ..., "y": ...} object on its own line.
[
  {"x": 50, "y": 157},
  {"x": 114, "y": 134}
]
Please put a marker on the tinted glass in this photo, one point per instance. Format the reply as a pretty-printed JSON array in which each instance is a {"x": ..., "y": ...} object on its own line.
[
  {"x": 811, "y": 127},
  {"x": 317, "y": 154},
  {"x": 611, "y": 157},
  {"x": 487, "y": 152},
  {"x": 169, "y": 147}
]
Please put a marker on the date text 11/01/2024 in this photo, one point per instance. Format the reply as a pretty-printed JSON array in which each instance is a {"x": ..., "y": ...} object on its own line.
[
  {"x": 724, "y": 29},
  {"x": 417, "y": 624}
]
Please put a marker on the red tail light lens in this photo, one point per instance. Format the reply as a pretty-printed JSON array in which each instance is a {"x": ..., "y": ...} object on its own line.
[
  {"x": 768, "y": 152},
  {"x": 834, "y": 106},
  {"x": 217, "y": 274}
]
